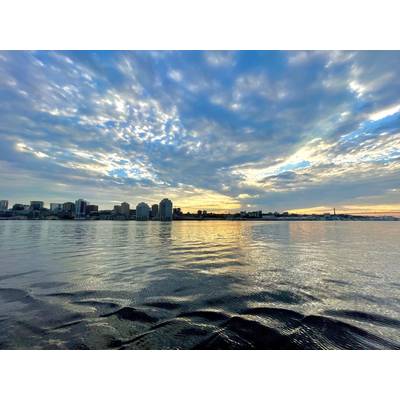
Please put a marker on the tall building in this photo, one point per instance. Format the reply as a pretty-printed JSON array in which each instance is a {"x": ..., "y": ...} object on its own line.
[
  {"x": 3, "y": 205},
  {"x": 68, "y": 207},
  {"x": 165, "y": 210},
  {"x": 154, "y": 211},
  {"x": 125, "y": 209},
  {"x": 56, "y": 207},
  {"x": 117, "y": 209},
  {"x": 142, "y": 212},
  {"x": 37, "y": 205},
  {"x": 80, "y": 208}
]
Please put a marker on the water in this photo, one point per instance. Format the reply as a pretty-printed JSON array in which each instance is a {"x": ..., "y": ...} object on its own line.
[{"x": 199, "y": 284}]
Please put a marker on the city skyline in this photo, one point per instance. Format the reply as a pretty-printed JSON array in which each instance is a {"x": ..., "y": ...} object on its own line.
[
  {"x": 164, "y": 210},
  {"x": 356, "y": 210},
  {"x": 223, "y": 131}
]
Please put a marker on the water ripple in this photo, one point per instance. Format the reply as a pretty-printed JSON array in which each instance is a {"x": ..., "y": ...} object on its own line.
[{"x": 195, "y": 285}]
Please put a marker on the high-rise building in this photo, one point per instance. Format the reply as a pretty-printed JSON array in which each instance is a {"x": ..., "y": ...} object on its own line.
[
  {"x": 125, "y": 209},
  {"x": 117, "y": 209},
  {"x": 56, "y": 207},
  {"x": 3, "y": 205},
  {"x": 68, "y": 207},
  {"x": 37, "y": 205},
  {"x": 154, "y": 211},
  {"x": 165, "y": 210},
  {"x": 80, "y": 208},
  {"x": 142, "y": 212}
]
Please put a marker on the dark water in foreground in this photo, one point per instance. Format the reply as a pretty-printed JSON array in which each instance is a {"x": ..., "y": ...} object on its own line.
[{"x": 202, "y": 285}]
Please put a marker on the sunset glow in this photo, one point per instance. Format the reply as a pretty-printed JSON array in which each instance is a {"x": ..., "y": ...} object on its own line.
[{"x": 221, "y": 131}]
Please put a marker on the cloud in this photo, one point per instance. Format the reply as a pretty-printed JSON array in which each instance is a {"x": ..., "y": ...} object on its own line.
[
  {"x": 271, "y": 130},
  {"x": 175, "y": 75},
  {"x": 220, "y": 58},
  {"x": 378, "y": 115}
]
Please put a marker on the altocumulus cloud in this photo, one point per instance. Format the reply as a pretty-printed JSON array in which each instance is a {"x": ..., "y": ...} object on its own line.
[{"x": 217, "y": 130}]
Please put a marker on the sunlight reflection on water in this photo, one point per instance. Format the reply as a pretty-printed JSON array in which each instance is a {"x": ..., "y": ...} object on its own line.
[{"x": 199, "y": 284}]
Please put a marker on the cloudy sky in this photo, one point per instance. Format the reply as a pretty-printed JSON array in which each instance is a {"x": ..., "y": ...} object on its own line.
[{"x": 211, "y": 130}]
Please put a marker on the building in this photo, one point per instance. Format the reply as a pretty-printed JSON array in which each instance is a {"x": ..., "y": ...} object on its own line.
[
  {"x": 142, "y": 212},
  {"x": 68, "y": 207},
  {"x": 80, "y": 208},
  {"x": 117, "y": 209},
  {"x": 18, "y": 207},
  {"x": 56, "y": 207},
  {"x": 92, "y": 208},
  {"x": 252, "y": 214},
  {"x": 125, "y": 209},
  {"x": 37, "y": 205},
  {"x": 257, "y": 214},
  {"x": 154, "y": 211},
  {"x": 165, "y": 210},
  {"x": 3, "y": 205}
]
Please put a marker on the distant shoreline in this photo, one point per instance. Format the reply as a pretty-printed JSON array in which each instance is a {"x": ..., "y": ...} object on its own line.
[{"x": 310, "y": 219}]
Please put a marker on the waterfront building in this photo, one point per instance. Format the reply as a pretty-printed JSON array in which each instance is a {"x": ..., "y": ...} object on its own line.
[
  {"x": 254, "y": 214},
  {"x": 37, "y": 205},
  {"x": 165, "y": 210},
  {"x": 154, "y": 211},
  {"x": 92, "y": 208},
  {"x": 142, "y": 212},
  {"x": 125, "y": 209},
  {"x": 56, "y": 207},
  {"x": 80, "y": 208},
  {"x": 68, "y": 207},
  {"x": 18, "y": 207},
  {"x": 117, "y": 209},
  {"x": 257, "y": 214},
  {"x": 3, "y": 205}
]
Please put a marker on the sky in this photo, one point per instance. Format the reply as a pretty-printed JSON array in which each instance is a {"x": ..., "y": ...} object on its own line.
[{"x": 222, "y": 131}]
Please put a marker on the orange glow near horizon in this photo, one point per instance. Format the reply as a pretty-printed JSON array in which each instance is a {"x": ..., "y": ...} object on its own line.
[
  {"x": 206, "y": 200},
  {"x": 359, "y": 209}
]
